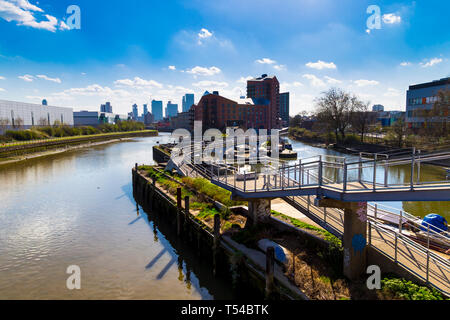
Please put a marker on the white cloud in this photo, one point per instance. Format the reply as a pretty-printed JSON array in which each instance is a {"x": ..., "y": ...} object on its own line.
[
  {"x": 280, "y": 67},
  {"x": 172, "y": 68},
  {"x": 368, "y": 31},
  {"x": 2, "y": 90},
  {"x": 319, "y": 65},
  {"x": 391, "y": 92},
  {"x": 405, "y": 63},
  {"x": 332, "y": 80},
  {"x": 137, "y": 83},
  {"x": 314, "y": 81},
  {"x": 244, "y": 80},
  {"x": 26, "y": 77},
  {"x": 2, "y": 78},
  {"x": 210, "y": 84},
  {"x": 431, "y": 62},
  {"x": 265, "y": 61},
  {"x": 204, "y": 33},
  {"x": 42, "y": 76},
  {"x": 364, "y": 83},
  {"x": 201, "y": 71},
  {"x": 391, "y": 18},
  {"x": 24, "y": 13}
]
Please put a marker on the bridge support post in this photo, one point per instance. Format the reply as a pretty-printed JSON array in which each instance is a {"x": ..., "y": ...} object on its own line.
[
  {"x": 259, "y": 209},
  {"x": 355, "y": 240},
  {"x": 355, "y": 235}
]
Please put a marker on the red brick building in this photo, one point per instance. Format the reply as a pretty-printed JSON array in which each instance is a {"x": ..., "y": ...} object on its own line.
[
  {"x": 219, "y": 112},
  {"x": 260, "y": 111},
  {"x": 265, "y": 90}
]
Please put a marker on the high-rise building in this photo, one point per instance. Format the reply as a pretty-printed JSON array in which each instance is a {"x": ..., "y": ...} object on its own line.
[
  {"x": 106, "y": 107},
  {"x": 420, "y": 98},
  {"x": 171, "y": 109},
  {"x": 284, "y": 108},
  {"x": 145, "y": 110},
  {"x": 135, "y": 112},
  {"x": 157, "y": 110},
  {"x": 265, "y": 90},
  {"x": 188, "y": 101}
]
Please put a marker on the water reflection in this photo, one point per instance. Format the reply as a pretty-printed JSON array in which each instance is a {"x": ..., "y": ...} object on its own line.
[{"x": 77, "y": 208}]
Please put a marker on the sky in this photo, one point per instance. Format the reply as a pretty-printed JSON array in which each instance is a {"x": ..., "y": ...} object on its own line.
[{"x": 134, "y": 51}]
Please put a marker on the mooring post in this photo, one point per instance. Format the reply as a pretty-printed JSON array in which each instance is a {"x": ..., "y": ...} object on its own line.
[
  {"x": 270, "y": 266},
  {"x": 178, "y": 211},
  {"x": 216, "y": 241},
  {"x": 186, "y": 212}
]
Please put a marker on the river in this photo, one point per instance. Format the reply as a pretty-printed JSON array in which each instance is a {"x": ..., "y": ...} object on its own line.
[{"x": 77, "y": 208}]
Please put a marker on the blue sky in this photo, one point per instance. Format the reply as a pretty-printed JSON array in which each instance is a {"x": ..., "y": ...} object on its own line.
[{"x": 134, "y": 51}]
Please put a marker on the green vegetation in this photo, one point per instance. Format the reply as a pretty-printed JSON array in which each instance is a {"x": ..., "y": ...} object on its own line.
[
  {"x": 198, "y": 202},
  {"x": 61, "y": 130},
  {"x": 403, "y": 289}
]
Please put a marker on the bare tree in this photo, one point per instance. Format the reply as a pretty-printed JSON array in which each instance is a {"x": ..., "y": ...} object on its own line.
[
  {"x": 19, "y": 123},
  {"x": 42, "y": 122},
  {"x": 361, "y": 117},
  {"x": 440, "y": 112},
  {"x": 334, "y": 110},
  {"x": 4, "y": 124},
  {"x": 398, "y": 129}
]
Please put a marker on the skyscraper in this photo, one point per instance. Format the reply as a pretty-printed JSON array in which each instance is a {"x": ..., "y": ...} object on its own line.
[
  {"x": 106, "y": 107},
  {"x": 157, "y": 110},
  {"x": 284, "y": 108},
  {"x": 145, "y": 110},
  {"x": 265, "y": 90},
  {"x": 171, "y": 109},
  {"x": 188, "y": 101},
  {"x": 135, "y": 112}
]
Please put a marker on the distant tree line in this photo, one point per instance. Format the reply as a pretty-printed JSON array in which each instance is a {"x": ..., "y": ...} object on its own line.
[{"x": 62, "y": 130}]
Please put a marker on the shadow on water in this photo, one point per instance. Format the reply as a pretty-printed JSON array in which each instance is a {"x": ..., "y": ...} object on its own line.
[{"x": 190, "y": 262}]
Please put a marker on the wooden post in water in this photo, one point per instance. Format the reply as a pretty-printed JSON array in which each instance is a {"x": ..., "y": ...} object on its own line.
[
  {"x": 270, "y": 266},
  {"x": 216, "y": 241},
  {"x": 186, "y": 212},
  {"x": 178, "y": 211}
]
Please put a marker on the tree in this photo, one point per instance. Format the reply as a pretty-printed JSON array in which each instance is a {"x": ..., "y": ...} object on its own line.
[
  {"x": 398, "y": 130},
  {"x": 4, "y": 124},
  {"x": 361, "y": 117},
  {"x": 19, "y": 123},
  {"x": 335, "y": 109},
  {"x": 440, "y": 111}
]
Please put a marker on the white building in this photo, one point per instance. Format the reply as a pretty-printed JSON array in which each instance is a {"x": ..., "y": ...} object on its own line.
[{"x": 21, "y": 115}]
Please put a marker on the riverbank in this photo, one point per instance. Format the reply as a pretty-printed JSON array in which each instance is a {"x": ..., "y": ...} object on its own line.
[{"x": 23, "y": 151}]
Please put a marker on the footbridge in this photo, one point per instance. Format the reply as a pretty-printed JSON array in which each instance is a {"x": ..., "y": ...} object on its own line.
[{"x": 345, "y": 198}]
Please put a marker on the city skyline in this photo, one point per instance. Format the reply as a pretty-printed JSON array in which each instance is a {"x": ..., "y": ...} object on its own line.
[{"x": 309, "y": 46}]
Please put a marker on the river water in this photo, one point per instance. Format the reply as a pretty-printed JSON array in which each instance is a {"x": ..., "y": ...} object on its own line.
[
  {"x": 77, "y": 208},
  {"x": 397, "y": 174}
]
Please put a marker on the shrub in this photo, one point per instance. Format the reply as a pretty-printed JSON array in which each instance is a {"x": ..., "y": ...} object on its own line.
[{"x": 403, "y": 289}]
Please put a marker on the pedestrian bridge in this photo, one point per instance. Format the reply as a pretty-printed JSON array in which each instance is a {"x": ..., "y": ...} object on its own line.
[
  {"x": 335, "y": 178},
  {"x": 309, "y": 183}
]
